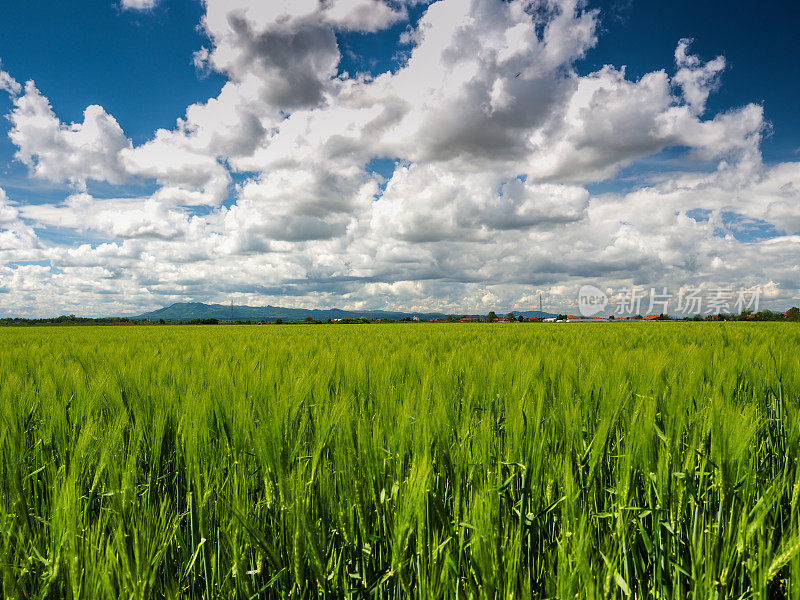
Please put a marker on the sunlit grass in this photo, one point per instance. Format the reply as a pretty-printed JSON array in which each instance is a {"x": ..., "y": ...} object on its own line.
[{"x": 415, "y": 461}]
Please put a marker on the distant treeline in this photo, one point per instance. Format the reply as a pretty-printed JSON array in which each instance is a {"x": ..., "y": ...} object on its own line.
[
  {"x": 73, "y": 320},
  {"x": 67, "y": 320},
  {"x": 793, "y": 314}
]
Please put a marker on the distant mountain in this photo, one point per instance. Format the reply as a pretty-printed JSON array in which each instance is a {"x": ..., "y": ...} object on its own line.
[{"x": 187, "y": 311}]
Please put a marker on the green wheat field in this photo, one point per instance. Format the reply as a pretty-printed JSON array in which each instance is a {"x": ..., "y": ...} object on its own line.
[{"x": 654, "y": 460}]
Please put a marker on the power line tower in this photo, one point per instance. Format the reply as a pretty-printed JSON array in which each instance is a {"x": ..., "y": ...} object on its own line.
[
  {"x": 231, "y": 309},
  {"x": 541, "y": 312}
]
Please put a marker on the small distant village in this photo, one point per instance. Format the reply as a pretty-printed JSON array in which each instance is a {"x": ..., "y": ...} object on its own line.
[{"x": 793, "y": 314}]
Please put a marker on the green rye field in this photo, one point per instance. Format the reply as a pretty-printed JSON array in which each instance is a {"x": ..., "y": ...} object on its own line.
[{"x": 644, "y": 460}]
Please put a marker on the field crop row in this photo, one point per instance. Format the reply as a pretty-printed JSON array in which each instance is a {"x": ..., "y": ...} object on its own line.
[{"x": 464, "y": 461}]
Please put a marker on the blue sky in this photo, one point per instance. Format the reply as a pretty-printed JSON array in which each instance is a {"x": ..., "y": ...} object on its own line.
[
  {"x": 82, "y": 53},
  {"x": 283, "y": 202},
  {"x": 760, "y": 45}
]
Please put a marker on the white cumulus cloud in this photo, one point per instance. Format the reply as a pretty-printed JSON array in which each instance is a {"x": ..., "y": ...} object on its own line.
[
  {"x": 138, "y": 4},
  {"x": 72, "y": 152}
]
